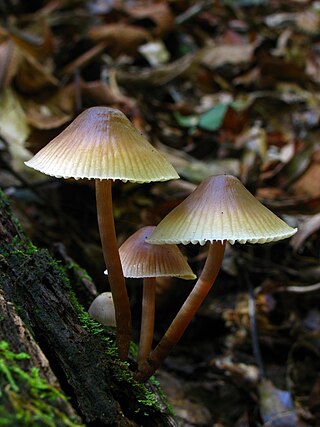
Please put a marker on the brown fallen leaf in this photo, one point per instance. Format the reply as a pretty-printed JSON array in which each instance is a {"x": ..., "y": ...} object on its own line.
[
  {"x": 64, "y": 98},
  {"x": 40, "y": 47},
  {"x": 161, "y": 75},
  {"x": 194, "y": 170},
  {"x": 120, "y": 38},
  {"x": 308, "y": 21},
  {"x": 45, "y": 116},
  {"x": 306, "y": 229},
  {"x": 274, "y": 70},
  {"x": 10, "y": 59},
  {"x": 244, "y": 374},
  {"x": 308, "y": 183},
  {"x": 217, "y": 56},
  {"x": 85, "y": 58},
  {"x": 159, "y": 13},
  {"x": 34, "y": 76},
  {"x": 14, "y": 128},
  {"x": 303, "y": 205},
  {"x": 104, "y": 94}
]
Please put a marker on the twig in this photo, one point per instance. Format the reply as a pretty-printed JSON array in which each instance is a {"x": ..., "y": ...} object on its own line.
[
  {"x": 252, "y": 320},
  {"x": 253, "y": 328},
  {"x": 78, "y": 94},
  {"x": 192, "y": 11},
  {"x": 299, "y": 289}
]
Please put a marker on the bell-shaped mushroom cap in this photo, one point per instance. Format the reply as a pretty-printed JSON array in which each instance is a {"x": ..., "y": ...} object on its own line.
[
  {"x": 102, "y": 143},
  {"x": 102, "y": 309},
  {"x": 220, "y": 208},
  {"x": 140, "y": 259}
]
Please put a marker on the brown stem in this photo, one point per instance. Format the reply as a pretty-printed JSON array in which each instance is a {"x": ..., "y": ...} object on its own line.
[
  {"x": 186, "y": 313},
  {"x": 147, "y": 319},
  {"x": 113, "y": 264}
]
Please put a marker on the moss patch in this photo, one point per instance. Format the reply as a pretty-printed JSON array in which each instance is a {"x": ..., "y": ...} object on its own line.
[
  {"x": 148, "y": 400},
  {"x": 26, "y": 398},
  {"x": 40, "y": 281}
]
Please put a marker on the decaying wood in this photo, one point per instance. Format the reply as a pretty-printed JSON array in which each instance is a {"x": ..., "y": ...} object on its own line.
[{"x": 32, "y": 284}]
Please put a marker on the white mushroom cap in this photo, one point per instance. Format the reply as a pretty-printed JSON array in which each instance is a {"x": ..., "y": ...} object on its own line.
[
  {"x": 102, "y": 143},
  {"x": 140, "y": 259},
  {"x": 102, "y": 309},
  {"x": 220, "y": 208}
]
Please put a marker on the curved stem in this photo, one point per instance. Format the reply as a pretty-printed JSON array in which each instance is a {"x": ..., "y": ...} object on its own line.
[
  {"x": 186, "y": 313},
  {"x": 147, "y": 319},
  {"x": 113, "y": 264}
]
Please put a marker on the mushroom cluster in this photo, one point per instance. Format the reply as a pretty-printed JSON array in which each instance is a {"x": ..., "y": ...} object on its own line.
[
  {"x": 219, "y": 210},
  {"x": 102, "y": 144}
]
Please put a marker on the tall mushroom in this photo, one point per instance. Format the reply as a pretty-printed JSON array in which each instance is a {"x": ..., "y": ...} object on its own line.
[
  {"x": 102, "y": 144},
  {"x": 220, "y": 209},
  {"x": 142, "y": 260}
]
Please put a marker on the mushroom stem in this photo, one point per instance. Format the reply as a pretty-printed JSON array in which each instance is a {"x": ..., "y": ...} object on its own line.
[
  {"x": 147, "y": 319},
  {"x": 186, "y": 313},
  {"x": 113, "y": 264}
]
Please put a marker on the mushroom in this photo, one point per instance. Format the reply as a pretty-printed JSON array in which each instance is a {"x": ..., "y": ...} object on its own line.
[
  {"x": 142, "y": 260},
  {"x": 102, "y": 144},
  {"x": 102, "y": 309},
  {"x": 220, "y": 209}
]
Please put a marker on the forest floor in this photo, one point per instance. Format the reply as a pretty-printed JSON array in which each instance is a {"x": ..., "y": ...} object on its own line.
[{"x": 220, "y": 87}]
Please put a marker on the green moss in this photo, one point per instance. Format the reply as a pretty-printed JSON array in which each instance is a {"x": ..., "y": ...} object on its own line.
[
  {"x": 73, "y": 266},
  {"x": 26, "y": 398},
  {"x": 148, "y": 400}
]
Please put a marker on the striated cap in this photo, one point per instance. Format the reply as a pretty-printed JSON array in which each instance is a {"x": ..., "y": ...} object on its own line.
[
  {"x": 102, "y": 143},
  {"x": 220, "y": 208},
  {"x": 140, "y": 259}
]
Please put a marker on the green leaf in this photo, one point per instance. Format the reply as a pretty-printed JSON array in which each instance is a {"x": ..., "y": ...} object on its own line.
[
  {"x": 186, "y": 121},
  {"x": 212, "y": 120}
]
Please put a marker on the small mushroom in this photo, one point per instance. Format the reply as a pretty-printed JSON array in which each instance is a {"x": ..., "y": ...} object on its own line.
[
  {"x": 142, "y": 260},
  {"x": 102, "y": 144},
  {"x": 220, "y": 209},
  {"x": 102, "y": 309}
]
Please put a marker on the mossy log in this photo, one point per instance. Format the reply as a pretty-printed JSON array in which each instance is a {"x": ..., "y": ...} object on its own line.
[{"x": 41, "y": 316}]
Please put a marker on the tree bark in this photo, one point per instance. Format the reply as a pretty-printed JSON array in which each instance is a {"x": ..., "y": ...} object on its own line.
[{"x": 38, "y": 305}]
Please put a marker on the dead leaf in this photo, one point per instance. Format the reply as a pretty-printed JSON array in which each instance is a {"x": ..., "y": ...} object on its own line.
[
  {"x": 42, "y": 116},
  {"x": 161, "y": 75},
  {"x": 276, "y": 406},
  {"x": 155, "y": 53},
  {"x": 85, "y": 58},
  {"x": 34, "y": 76},
  {"x": 313, "y": 68},
  {"x": 254, "y": 153},
  {"x": 102, "y": 93},
  {"x": 308, "y": 183},
  {"x": 9, "y": 63},
  {"x": 306, "y": 229},
  {"x": 308, "y": 21},
  {"x": 274, "y": 70},
  {"x": 159, "y": 13},
  {"x": 14, "y": 128},
  {"x": 64, "y": 99},
  {"x": 245, "y": 374},
  {"x": 217, "y": 56},
  {"x": 194, "y": 170},
  {"x": 40, "y": 47},
  {"x": 120, "y": 38}
]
